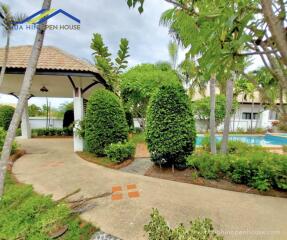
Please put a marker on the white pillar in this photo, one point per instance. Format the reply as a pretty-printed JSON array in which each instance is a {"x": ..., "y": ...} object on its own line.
[
  {"x": 78, "y": 116},
  {"x": 265, "y": 123},
  {"x": 25, "y": 124}
]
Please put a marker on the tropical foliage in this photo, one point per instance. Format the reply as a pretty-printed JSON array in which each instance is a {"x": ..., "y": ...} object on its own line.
[
  {"x": 110, "y": 69},
  {"x": 138, "y": 84},
  {"x": 201, "y": 109}
]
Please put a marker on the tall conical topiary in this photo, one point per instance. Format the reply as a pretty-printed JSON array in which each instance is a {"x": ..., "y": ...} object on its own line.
[
  {"x": 170, "y": 126},
  {"x": 105, "y": 121}
]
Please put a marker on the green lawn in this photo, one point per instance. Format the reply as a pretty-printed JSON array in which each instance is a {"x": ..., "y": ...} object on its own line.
[
  {"x": 137, "y": 138},
  {"x": 25, "y": 214}
]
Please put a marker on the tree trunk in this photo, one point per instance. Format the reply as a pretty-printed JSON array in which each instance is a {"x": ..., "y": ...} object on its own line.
[
  {"x": 5, "y": 60},
  {"x": 23, "y": 98},
  {"x": 212, "y": 115},
  {"x": 252, "y": 113},
  {"x": 276, "y": 29},
  {"x": 228, "y": 109},
  {"x": 282, "y": 105}
]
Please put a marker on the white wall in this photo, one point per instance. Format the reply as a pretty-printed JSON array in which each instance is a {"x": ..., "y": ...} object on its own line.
[
  {"x": 237, "y": 121},
  {"x": 40, "y": 122}
]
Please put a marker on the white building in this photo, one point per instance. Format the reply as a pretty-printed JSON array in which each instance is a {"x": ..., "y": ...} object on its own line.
[{"x": 243, "y": 119}]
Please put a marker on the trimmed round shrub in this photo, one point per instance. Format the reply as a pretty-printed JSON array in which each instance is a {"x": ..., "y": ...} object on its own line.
[
  {"x": 105, "y": 121},
  {"x": 6, "y": 114},
  {"x": 170, "y": 126}
]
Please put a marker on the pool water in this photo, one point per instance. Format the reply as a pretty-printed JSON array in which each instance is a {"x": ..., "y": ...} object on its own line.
[{"x": 254, "y": 140}]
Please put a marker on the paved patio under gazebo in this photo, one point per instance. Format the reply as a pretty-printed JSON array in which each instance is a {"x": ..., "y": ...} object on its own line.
[{"x": 63, "y": 75}]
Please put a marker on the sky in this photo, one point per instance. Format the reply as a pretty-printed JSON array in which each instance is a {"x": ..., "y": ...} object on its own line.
[{"x": 112, "y": 18}]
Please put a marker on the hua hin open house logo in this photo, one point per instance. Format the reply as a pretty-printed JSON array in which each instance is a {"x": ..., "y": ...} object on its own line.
[{"x": 33, "y": 21}]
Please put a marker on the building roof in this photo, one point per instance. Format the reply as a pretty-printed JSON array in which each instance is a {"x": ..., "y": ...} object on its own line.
[{"x": 51, "y": 58}]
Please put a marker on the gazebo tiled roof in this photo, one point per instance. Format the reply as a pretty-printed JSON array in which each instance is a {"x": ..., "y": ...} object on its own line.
[{"x": 51, "y": 58}]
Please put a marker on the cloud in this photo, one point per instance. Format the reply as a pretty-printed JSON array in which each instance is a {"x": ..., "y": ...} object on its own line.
[{"x": 112, "y": 18}]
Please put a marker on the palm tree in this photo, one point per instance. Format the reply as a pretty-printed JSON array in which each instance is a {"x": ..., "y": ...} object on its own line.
[
  {"x": 24, "y": 93},
  {"x": 212, "y": 123},
  {"x": 7, "y": 21},
  {"x": 173, "y": 53}
]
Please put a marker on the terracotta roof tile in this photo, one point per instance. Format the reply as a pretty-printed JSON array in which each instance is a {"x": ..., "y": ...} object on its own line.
[{"x": 51, "y": 58}]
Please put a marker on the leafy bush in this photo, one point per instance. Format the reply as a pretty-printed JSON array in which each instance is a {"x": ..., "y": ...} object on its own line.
[
  {"x": 284, "y": 148},
  {"x": 6, "y": 114},
  {"x": 139, "y": 82},
  {"x": 118, "y": 152},
  {"x": 2, "y": 140},
  {"x": 170, "y": 126},
  {"x": 256, "y": 130},
  {"x": 253, "y": 166},
  {"x": 40, "y": 132},
  {"x": 105, "y": 121},
  {"x": 158, "y": 229},
  {"x": 233, "y": 146}
]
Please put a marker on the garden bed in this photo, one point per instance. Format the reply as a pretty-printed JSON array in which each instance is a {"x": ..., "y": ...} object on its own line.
[
  {"x": 103, "y": 161},
  {"x": 189, "y": 176},
  {"x": 34, "y": 216}
]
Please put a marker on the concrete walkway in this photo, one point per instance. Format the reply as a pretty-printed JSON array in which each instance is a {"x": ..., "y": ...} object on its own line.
[
  {"x": 53, "y": 168},
  {"x": 138, "y": 166}
]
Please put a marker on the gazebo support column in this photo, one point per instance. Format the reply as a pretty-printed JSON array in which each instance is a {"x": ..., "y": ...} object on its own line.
[
  {"x": 25, "y": 124},
  {"x": 78, "y": 116}
]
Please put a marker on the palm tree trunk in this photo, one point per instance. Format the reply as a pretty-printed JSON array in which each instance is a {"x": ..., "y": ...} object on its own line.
[
  {"x": 5, "y": 60},
  {"x": 276, "y": 28},
  {"x": 228, "y": 109},
  {"x": 252, "y": 113},
  {"x": 23, "y": 97},
  {"x": 212, "y": 115}
]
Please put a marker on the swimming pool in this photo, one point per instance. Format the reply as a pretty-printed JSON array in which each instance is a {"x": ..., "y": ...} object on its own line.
[{"x": 267, "y": 140}]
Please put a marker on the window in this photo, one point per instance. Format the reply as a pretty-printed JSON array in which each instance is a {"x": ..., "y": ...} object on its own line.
[
  {"x": 273, "y": 115},
  {"x": 247, "y": 115}
]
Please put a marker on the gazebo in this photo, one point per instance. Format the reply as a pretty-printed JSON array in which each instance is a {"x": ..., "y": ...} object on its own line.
[{"x": 63, "y": 75}]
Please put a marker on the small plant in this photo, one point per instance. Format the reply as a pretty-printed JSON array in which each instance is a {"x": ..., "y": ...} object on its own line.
[
  {"x": 284, "y": 148},
  {"x": 119, "y": 152},
  {"x": 199, "y": 229}
]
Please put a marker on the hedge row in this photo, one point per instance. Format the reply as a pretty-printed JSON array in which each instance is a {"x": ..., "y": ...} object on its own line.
[
  {"x": 52, "y": 132},
  {"x": 252, "y": 166}
]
